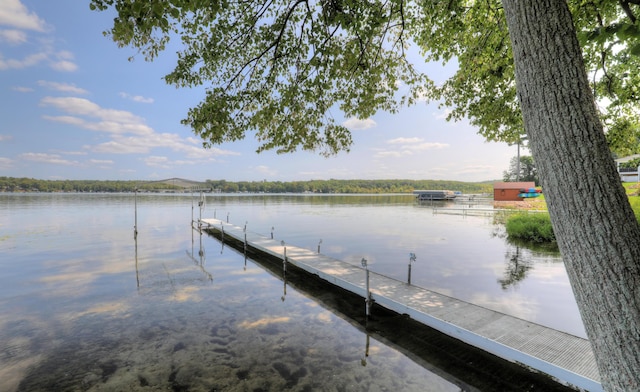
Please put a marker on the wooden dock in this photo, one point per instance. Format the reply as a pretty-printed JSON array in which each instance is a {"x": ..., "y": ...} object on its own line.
[{"x": 566, "y": 358}]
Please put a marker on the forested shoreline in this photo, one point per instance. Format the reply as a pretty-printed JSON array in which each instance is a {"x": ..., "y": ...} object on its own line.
[{"x": 13, "y": 184}]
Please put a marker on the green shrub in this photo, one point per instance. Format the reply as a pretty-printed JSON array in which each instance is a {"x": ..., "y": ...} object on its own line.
[
  {"x": 536, "y": 228},
  {"x": 531, "y": 228}
]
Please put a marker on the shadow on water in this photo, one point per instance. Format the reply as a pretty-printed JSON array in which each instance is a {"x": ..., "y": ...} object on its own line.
[{"x": 467, "y": 367}]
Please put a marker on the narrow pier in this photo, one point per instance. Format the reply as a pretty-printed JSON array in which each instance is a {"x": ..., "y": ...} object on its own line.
[{"x": 566, "y": 358}]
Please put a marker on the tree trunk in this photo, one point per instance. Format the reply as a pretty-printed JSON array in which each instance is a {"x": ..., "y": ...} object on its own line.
[{"x": 597, "y": 232}]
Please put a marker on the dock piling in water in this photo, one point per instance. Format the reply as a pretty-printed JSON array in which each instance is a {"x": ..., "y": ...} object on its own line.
[
  {"x": 367, "y": 299},
  {"x": 412, "y": 258},
  {"x": 284, "y": 258},
  {"x": 245, "y": 237}
]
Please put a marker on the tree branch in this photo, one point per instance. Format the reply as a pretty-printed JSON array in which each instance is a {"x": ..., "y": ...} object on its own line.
[{"x": 627, "y": 9}]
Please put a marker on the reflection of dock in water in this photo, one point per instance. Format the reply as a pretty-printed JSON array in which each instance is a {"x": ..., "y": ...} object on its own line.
[{"x": 568, "y": 359}]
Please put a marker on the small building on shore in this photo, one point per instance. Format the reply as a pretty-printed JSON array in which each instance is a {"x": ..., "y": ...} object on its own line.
[
  {"x": 628, "y": 174},
  {"x": 509, "y": 191}
]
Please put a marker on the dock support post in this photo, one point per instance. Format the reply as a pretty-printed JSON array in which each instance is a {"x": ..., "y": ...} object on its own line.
[
  {"x": 284, "y": 259},
  {"x": 412, "y": 258},
  {"x": 245, "y": 237},
  {"x": 319, "y": 245},
  {"x": 135, "y": 221},
  {"x": 367, "y": 299},
  {"x": 201, "y": 206},
  {"x": 227, "y": 217},
  {"x": 272, "y": 229}
]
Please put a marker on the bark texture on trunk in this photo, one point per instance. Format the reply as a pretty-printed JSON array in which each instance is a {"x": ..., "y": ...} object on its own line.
[{"x": 597, "y": 232}]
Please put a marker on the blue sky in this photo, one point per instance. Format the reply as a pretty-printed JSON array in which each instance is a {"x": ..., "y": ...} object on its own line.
[{"x": 74, "y": 107}]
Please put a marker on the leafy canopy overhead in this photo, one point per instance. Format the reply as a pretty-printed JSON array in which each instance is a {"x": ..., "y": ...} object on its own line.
[{"x": 279, "y": 67}]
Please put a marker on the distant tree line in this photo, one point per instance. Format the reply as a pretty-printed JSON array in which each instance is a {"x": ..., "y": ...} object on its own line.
[
  {"x": 347, "y": 186},
  {"x": 11, "y": 184}
]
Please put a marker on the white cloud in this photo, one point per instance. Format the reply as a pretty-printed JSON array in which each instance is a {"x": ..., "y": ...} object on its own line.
[
  {"x": 65, "y": 55},
  {"x": 35, "y": 59},
  {"x": 136, "y": 98},
  {"x": 164, "y": 162},
  {"x": 405, "y": 140},
  {"x": 111, "y": 127},
  {"x": 18, "y": 18},
  {"x": 402, "y": 147},
  {"x": 476, "y": 169},
  {"x": 357, "y": 124},
  {"x": 6, "y": 138},
  {"x": 53, "y": 159},
  {"x": 156, "y": 161},
  {"x": 5, "y": 163},
  {"x": 63, "y": 87},
  {"x": 64, "y": 66},
  {"x": 28, "y": 61},
  {"x": 112, "y": 120},
  {"x": 194, "y": 140},
  {"x": 443, "y": 114},
  {"x": 14, "y": 37},
  {"x": 13, "y": 13},
  {"x": 101, "y": 161},
  {"x": 21, "y": 89},
  {"x": 66, "y": 120},
  {"x": 416, "y": 144},
  {"x": 70, "y": 152},
  {"x": 198, "y": 152},
  {"x": 265, "y": 170},
  {"x": 128, "y": 133},
  {"x": 84, "y": 107},
  {"x": 144, "y": 145},
  {"x": 120, "y": 147},
  {"x": 62, "y": 61},
  {"x": 426, "y": 146},
  {"x": 389, "y": 154}
]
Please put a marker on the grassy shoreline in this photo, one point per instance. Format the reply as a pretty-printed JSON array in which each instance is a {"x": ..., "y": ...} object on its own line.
[{"x": 536, "y": 228}]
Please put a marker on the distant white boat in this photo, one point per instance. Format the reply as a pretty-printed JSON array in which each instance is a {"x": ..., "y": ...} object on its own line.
[{"x": 434, "y": 195}]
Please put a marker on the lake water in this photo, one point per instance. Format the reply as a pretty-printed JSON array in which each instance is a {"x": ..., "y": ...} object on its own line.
[{"x": 85, "y": 307}]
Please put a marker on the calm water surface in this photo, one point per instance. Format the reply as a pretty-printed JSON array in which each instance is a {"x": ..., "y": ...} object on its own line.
[{"x": 85, "y": 307}]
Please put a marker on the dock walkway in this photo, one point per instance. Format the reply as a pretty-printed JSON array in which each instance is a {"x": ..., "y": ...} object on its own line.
[{"x": 567, "y": 358}]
